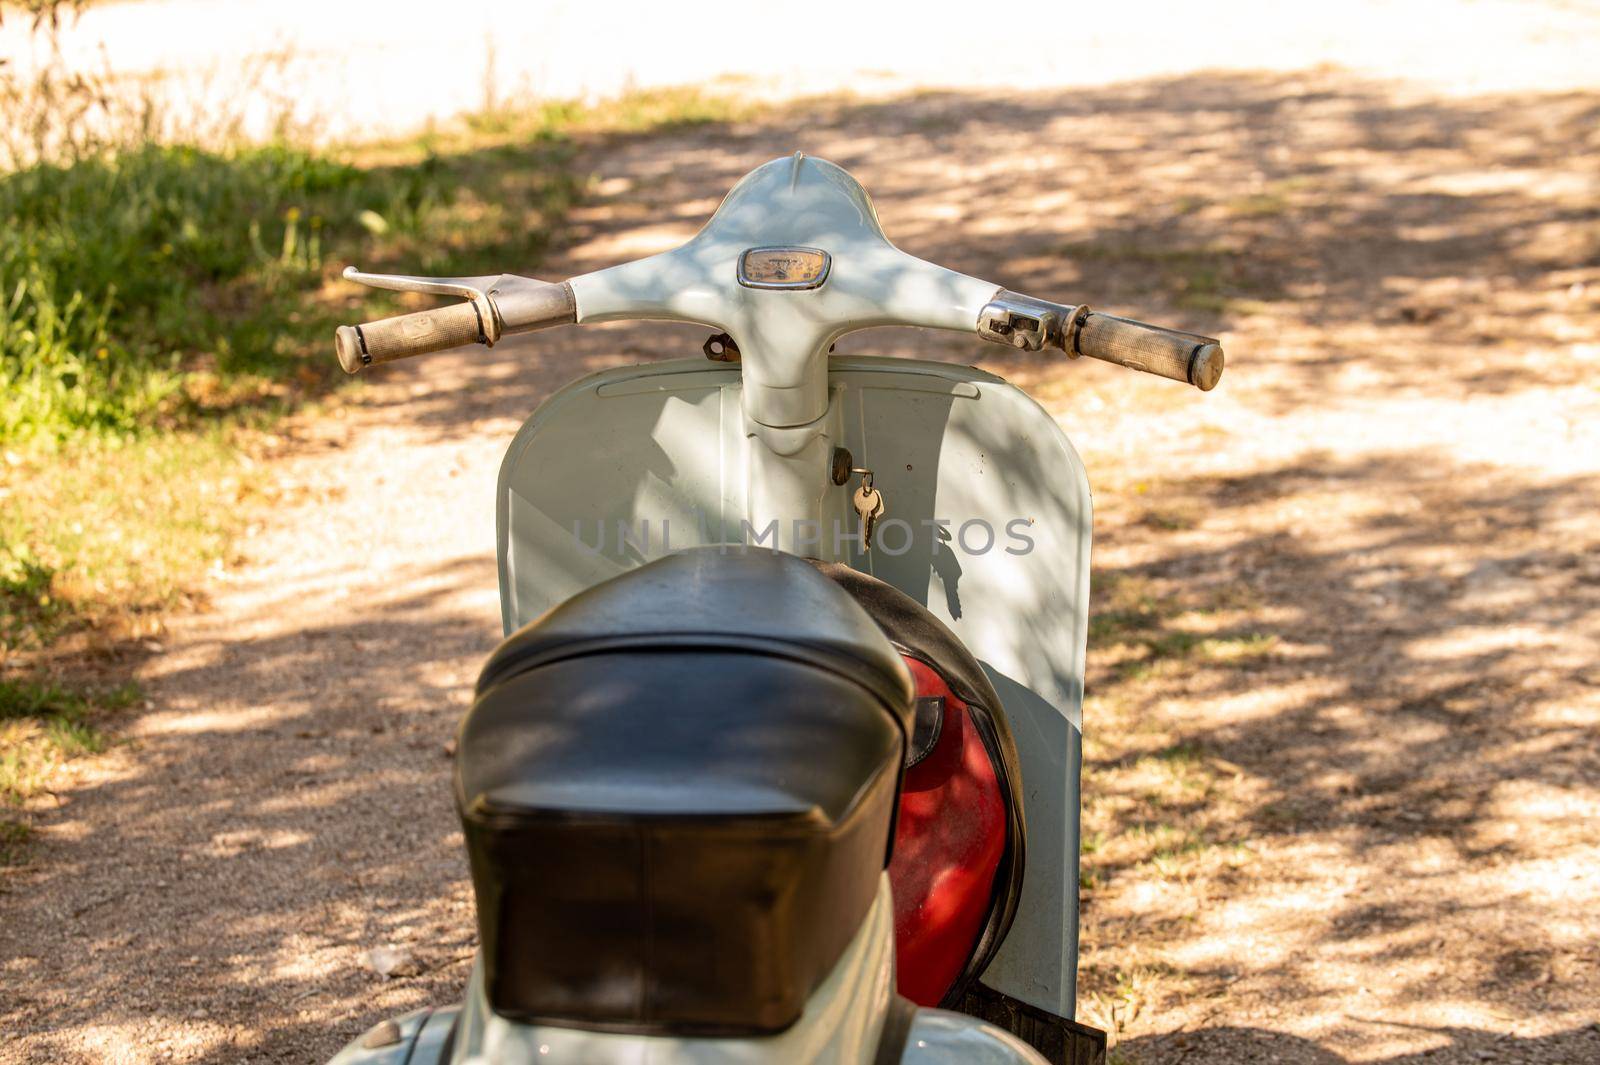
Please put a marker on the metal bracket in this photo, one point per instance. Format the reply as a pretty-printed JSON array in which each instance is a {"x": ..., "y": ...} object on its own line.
[{"x": 1023, "y": 322}]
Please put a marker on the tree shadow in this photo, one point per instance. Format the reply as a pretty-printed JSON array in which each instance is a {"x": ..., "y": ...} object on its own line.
[
  {"x": 251, "y": 885},
  {"x": 1249, "y": 1045},
  {"x": 1345, "y": 235},
  {"x": 1397, "y": 692}
]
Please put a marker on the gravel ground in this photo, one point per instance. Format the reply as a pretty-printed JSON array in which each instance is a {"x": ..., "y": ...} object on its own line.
[{"x": 1347, "y": 816}]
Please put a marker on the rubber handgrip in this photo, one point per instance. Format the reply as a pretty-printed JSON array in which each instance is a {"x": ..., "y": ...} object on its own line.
[
  {"x": 1164, "y": 352},
  {"x": 405, "y": 335}
]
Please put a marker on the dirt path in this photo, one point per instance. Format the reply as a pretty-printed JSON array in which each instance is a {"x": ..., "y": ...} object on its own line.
[{"x": 1342, "y": 775}]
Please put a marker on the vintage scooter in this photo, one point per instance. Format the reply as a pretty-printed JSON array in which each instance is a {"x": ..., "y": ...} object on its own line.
[{"x": 779, "y": 761}]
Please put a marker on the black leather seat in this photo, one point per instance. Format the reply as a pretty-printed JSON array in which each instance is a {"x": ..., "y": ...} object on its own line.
[{"x": 677, "y": 791}]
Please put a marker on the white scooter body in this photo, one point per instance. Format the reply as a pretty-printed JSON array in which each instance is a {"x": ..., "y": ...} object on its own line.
[
  {"x": 987, "y": 524},
  {"x": 631, "y": 464}
]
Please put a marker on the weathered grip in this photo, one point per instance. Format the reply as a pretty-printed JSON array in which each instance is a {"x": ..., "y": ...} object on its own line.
[
  {"x": 1165, "y": 352},
  {"x": 406, "y": 335}
]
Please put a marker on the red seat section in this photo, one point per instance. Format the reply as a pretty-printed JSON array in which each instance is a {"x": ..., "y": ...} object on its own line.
[{"x": 948, "y": 845}]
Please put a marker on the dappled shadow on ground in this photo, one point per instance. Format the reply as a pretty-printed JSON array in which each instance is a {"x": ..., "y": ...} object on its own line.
[
  {"x": 293, "y": 818},
  {"x": 1438, "y": 637},
  {"x": 1339, "y": 762},
  {"x": 1346, "y": 234},
  {"x": 1345, "y": 706},
  {"x": 1247, "y": 1046}
]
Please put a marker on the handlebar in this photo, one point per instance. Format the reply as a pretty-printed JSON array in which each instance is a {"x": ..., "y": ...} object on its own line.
[
  {"x": 405, "y": 335},
  {"x": 496, "y": 306},
  {"x": 1166, "y": 353},
  {"x": 773, "y": 221},
  {"x": 511, "y": 304},
  {"x": 1031, "y": 324}
]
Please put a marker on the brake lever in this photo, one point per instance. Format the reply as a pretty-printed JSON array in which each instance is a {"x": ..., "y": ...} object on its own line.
[
  {"x": 476, "y": 289},
  {"x": 469, "y": 287},
  {"x": 506, "y": 303}
]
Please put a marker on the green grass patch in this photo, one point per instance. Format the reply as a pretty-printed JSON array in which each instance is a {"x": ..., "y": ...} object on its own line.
[
  {"x": 652, "y": 111},
  {"x": 154, "y": 301},
  {"x": 1259, "y": 205},
  {"x": 1181, "y": 755},
  {"x": 1165, "y": 845},
  {"x": 1171, "y": 518},
  {"x": 159, "y": 287},
  {"x": 160, "y": 304},
  {"x": 1275, "y": 198},
  {"x": 43, "y": 723},
  {"x": 1128, "y": 612},
  {"x": 1141, "y": 631},
  {"x": 99, "y": 537},
  {"x": 46, "y": 701},
  {"x": 129, "y": 275},
  {"x": 517, "y": 124},
  {"x": 1232, "y": 649},
  {"x": 14, "y": 839}
]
